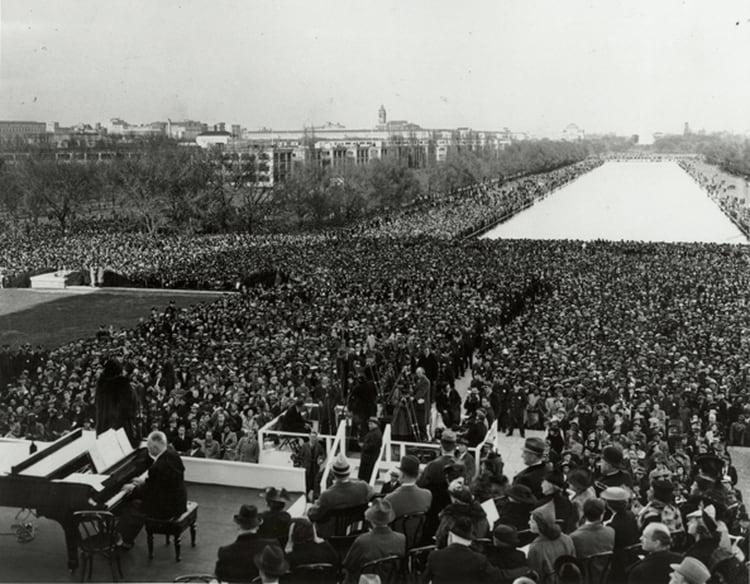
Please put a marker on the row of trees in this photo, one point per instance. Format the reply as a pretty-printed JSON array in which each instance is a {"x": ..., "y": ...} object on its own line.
[
  {"x": 731, "y": 153},
  {"x": 166, "y": 187}
]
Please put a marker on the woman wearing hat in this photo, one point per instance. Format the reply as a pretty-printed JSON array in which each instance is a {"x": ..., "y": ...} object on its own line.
[
  {"x": 580, "y": 482},
  {"x": 116, "y": 402},
  {"x": 275, "y": 520},
  {"x": 505, "y": 555},
  {"x": 305, "y": 547},
  {"x": 516, "y": 508},
  {"x": 555, "y": 494},
  {"x": 550, "y": 544},
  {"x": 490, "y": 483},
  {"x": 462, "y": 505}
]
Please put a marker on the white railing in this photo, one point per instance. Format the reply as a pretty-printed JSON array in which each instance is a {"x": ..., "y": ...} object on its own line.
[
  {"x": 339, "y": 443},
  {"x": 269, "y": 430},
  {"x": 385, "y": 451}
]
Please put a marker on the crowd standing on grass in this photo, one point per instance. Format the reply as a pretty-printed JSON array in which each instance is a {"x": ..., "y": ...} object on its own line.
[{"x": 632, "y": 357}]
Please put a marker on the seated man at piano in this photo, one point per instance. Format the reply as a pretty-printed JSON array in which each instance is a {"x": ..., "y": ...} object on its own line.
[{"x": 161, "y": 494}]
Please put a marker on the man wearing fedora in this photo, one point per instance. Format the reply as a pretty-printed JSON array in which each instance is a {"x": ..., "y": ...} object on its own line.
[
  {"x": 345, "y": 492},
  {"x": 611, "y": 470},
  {"x": 371, "y": 444},
  {"x": 380, "y": 542},
  {"x": 234, "y": 563},
  {"x": 536, "y": 469},
  {"x": 656, "y": 542},
  {"x": 689, "y": 571},
  {"x": 457, "y": 563},
  {"x": 271, "y": 564},
  {"x": 409, "y": 498}
]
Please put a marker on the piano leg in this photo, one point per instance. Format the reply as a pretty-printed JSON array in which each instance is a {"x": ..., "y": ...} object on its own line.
[
  {"x": 71, "y": 542},
  {"x": 66, "y": 521}
]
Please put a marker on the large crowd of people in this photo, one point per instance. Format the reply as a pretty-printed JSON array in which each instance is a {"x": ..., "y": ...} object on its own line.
[{"x": 632, "y": 357}]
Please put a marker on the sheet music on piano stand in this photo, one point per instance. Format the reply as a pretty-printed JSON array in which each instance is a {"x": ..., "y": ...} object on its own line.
[
  {"x": 123, "y": 441},
  {"x": 108, "y": 449}
]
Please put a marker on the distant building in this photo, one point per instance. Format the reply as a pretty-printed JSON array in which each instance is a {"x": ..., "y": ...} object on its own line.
[
  {"x": 572, "y": 133},
  {"x": 119, "y": 127},
  {"x": 186, "y": 130},
  {"x": 77, "y": 136},
  {"x": 22, "y": 133},
  {"x": 334, "y": 145},
  {"x": 213, "y": 138}
]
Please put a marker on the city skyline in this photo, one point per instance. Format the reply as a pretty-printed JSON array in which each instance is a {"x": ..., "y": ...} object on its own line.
[{"x": 532, "y": 66}]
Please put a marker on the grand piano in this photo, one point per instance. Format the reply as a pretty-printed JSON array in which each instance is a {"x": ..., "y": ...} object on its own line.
[{"x": 72, "y": 474}]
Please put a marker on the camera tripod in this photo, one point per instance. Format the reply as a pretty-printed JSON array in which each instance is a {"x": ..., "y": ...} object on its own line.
[{"x": 407, "y": 404}]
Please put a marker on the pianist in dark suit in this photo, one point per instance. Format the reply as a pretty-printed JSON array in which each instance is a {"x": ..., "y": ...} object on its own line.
[
  {"x": 116, "y": 402},
  {"x": 162, "y": 494}
]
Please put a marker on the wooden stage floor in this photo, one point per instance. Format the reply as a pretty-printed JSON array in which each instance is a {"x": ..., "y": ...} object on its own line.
[{"x": 44, "y": 559}]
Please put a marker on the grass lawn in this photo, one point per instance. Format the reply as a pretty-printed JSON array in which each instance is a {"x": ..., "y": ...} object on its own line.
[{"x": 53, "y": 319}]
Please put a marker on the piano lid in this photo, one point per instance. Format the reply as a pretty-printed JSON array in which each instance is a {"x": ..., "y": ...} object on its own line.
[{"x": 45, "y": 462}]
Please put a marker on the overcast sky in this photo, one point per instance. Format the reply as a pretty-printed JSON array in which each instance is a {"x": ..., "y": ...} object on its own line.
[{"x": 625, "y": 66}]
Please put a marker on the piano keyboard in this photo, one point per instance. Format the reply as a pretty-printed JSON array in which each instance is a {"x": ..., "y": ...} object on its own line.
[{"x": 117, "y": 498}]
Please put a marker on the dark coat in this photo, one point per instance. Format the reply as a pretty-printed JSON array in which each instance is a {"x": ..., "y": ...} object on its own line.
[
  {"x": 458, "y": 564},
  {"x": 338, "y": 496},
  {"x": 292, "y": 420},
  {"x": 565, "y": 510},
  {"x": 479, "y": 526},
  {"x": 312, "y": 553},
  {"x": 511, "y": 562},
  {"x": 532, "y": 477},
  {"x": 626, "y": 534},
  {"x": 380, "y": 542},
  {"x": 235, "y": 562},
  {"x": 163, "y": 493},
  {"x": 433, "y": 479},
  {"x": 116, "y": 405},
  {"x": 371, "y": 444},
  {"x": 275, "y": 526},
  {"x": 515, "y": 514},
  {"x": 654, "y": 568}
]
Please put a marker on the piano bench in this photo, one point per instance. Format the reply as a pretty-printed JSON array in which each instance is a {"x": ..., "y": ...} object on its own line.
[{"x": 172, "y": 527}]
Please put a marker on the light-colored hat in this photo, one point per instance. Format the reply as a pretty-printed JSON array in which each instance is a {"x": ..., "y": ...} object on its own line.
[
  {"x": 693, "y": 570},
  {"x": 340, "y": 466},
  {"x": 380, "y": 512},
  {"x": 614, "y": 494}
]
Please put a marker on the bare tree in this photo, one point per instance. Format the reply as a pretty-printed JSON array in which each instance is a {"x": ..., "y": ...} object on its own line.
[{"x": 58, "y": 188}]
